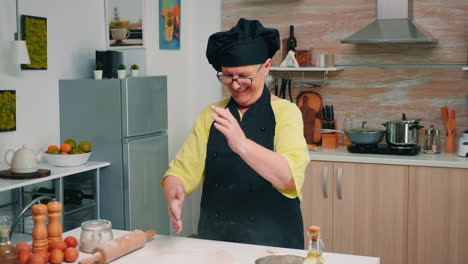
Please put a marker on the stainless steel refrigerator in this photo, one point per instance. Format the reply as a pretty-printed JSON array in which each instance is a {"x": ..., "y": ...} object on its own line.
[{"x": 126, "y": 123}]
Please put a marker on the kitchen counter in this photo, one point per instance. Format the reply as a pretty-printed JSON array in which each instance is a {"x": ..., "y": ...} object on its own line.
[
  {"x": 341, "y": 154},
  {"x": 178, "y": 250}
]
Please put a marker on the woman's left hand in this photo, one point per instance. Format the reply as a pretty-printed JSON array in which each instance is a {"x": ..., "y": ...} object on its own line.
[{"x": 227, "y": 124}]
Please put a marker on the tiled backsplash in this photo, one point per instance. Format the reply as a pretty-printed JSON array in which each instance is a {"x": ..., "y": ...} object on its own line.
[{"x": 379, "y": 82}]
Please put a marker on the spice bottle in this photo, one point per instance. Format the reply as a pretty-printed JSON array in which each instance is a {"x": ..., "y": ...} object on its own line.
[{"x": 432, "y": 141}]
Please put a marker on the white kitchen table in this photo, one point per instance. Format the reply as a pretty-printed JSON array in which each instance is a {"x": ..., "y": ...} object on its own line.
[
  {"x": 181, "y": 250},
  {"x": 57, "y": 175}
]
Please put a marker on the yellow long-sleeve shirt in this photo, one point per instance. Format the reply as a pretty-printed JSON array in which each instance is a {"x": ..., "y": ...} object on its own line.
[{"x": 189, "y": 162}]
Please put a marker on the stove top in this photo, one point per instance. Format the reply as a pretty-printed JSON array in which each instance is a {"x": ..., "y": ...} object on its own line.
[{"x": 385, "y": 149}]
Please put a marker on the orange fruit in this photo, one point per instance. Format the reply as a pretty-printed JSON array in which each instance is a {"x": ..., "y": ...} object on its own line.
[
  {"x": 51, "y": 147},
  {"x": 58, "y": 245},
  {"x": 54, "y": 151},
  {"x": 65, "y": 147},
  {"x": 45, "y": 255},
  {"x": 36, "y": 259},
  {"x": 71, "y": 241},
  {"x": 22, "y": 246},
  {"x": 63, "y": 153},
  {"x": 56, "y": 256},
  {"x": 71, "y": 254},
  {"x": 71, "y": 142},
  {"x": 24, "y": 256}
]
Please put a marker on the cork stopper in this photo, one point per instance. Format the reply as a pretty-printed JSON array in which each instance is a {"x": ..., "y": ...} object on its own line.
[{"x": 314, "y": 229}]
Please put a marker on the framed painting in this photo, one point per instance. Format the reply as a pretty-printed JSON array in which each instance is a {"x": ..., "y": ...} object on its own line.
[
  {"x": 169, "y": 24},
  {"x": 7, "y": 110},
  {"x": 35, "y": 34},
  {"x": 124, "y": 24}
]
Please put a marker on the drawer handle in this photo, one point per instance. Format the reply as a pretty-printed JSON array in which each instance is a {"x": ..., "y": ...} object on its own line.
[
  {"x": 338, "y": 185},
  {"x": 325, "y": 182}
]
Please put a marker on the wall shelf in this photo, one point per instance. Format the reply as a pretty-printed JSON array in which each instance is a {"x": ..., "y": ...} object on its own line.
[
  {"x": 306, "y": 69},
  {"x": 465, "y": 68},
  {"x": 325, "y": 71}
]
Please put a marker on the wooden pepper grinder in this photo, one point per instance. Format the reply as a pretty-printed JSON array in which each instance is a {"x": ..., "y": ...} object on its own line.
[
  {"x": 39, "y": 244},
  {"x": 54, "y": 229}
]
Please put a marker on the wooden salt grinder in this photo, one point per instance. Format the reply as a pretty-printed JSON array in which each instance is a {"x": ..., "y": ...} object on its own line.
[
  {"x": 54, "y": 229},
  {"x": 39, "y": 243}
]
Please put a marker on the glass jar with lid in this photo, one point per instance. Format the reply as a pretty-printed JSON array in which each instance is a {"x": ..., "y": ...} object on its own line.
[
  {"x": 432, "y": 141},
  {"x": 95, "y": 233}
]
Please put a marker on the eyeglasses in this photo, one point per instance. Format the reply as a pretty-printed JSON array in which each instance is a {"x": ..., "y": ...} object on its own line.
[{"x": 243, "y": 82}]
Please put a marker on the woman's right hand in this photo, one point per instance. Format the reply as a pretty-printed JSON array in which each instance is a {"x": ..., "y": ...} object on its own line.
[{"x": 175, "y": 194}]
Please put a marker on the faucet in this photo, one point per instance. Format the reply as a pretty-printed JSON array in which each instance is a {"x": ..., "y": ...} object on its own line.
[{"x": 26, "y": 208}]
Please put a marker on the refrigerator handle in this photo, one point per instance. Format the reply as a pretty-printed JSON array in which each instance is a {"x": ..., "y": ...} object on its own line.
[{"x": 128, "y": 140}]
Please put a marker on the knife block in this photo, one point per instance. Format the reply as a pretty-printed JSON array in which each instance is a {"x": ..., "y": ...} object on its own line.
[{"x": 330, "y": 141}]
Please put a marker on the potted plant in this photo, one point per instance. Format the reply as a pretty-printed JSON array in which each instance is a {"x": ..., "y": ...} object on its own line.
[
  {"x": 134, "y": 70},
  {"x": 98, "y": 71},
  {"x": 122, "y": 71}
]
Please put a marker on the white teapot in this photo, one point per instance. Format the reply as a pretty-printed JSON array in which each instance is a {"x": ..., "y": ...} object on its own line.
[{"x": 24, "y": 160}]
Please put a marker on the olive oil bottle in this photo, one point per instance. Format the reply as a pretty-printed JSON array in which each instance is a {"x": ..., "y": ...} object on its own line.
[
  {"x": 291, "y": 43},
  {"x": 314, "y": 256},
  {"x": 8, "y": 253}
]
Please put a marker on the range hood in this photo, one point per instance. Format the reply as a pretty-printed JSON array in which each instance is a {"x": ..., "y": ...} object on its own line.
[{"x": 393, "y": 25}]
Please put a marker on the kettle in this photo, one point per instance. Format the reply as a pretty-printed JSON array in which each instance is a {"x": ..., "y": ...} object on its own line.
[
  {"x": 463, "y": 145},
  {"x": 24, "y": 160}
]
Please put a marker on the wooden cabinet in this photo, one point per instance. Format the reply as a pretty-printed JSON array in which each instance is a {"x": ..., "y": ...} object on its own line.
[
  {"x": 367, "y": 205},
  {"x": 317, "y": 205},
  {"x": 402, "y": 214},
  {"x": 370, "y": 218},
  {"x": 438, "y": 216}
]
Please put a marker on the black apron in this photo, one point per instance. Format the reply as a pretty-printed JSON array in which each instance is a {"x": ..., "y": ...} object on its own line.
[{"x": 239, "y": 205}]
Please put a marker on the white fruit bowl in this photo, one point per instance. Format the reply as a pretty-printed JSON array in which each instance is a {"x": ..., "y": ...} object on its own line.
[{"x": 69, "y": 160}]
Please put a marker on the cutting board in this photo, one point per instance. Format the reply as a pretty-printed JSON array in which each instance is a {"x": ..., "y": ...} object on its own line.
[
  {"x": 308, "y": 116},
  {"x": 314, "y": 100},
  {"x": 310, "y": 104},
  {"x": 7, "y": 174}
]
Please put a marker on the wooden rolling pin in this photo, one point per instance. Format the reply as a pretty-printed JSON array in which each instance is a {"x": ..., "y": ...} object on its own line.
[{"x": 119, "y": 247}]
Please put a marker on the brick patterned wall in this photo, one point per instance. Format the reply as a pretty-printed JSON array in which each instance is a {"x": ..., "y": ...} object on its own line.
[{"x": 379, "y": 82}]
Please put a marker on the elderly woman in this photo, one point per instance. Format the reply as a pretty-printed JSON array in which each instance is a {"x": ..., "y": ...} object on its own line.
[{"x": 247, "y": 150}]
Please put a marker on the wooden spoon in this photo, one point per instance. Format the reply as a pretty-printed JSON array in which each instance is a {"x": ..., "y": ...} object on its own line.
[
  {"x": 446, "y": 110},
  {"x": 453, "y": 122},
  {"x": 452, "y": 114},
  {"x": 444, "y": 114}
]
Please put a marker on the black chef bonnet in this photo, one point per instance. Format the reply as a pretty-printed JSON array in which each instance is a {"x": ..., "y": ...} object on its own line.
[{"x": 247, "y": 43}]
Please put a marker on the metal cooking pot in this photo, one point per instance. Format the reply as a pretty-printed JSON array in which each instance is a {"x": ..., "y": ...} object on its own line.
[
  {"x": 403, "y": 132},
  {"x": 364, "y": 135}
]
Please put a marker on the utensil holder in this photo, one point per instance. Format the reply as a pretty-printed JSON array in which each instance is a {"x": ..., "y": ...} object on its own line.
[
  {"x": 330, "y": 141},
  {"x": 450, "y": 144}
]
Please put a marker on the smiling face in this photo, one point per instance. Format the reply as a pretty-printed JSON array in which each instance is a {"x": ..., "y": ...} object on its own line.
[{"x": 245, "y": 97}]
